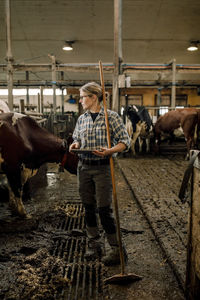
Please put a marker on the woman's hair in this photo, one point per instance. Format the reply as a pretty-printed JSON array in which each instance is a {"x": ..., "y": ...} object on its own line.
[{"x": 93, "y": 88}]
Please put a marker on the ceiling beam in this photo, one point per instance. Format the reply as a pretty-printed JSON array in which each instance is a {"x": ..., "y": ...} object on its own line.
[{"x": 108, "y": 68}]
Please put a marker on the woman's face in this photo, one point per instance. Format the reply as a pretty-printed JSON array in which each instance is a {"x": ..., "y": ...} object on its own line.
[{"x": 87, "y": 101}]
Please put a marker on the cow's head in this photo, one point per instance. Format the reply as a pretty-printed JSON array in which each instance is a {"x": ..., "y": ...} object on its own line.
[{"x": 70, "y": 160}]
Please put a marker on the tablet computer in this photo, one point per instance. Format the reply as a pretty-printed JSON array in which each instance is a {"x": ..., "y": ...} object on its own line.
[{"x": 82, "y": 151}]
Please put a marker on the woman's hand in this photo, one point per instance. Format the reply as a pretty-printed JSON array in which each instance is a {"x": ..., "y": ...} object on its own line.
[
  {"x": 103, "y": 152},
  {"x": 74, "y": 146},
  {"x": 109, "y": 151}
]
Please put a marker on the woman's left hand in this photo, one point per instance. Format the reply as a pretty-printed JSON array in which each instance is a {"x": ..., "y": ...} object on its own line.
[{"x": 103, "y": 152}]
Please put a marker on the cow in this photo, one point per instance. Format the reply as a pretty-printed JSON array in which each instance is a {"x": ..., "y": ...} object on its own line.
[
  {"x": 4, "y": 194},
  {"x": 4, "y": 107},
  {"x": 24, "y": 147},
  {"x": 175, "y": 122},
  {"x": 139, "y": 126}
]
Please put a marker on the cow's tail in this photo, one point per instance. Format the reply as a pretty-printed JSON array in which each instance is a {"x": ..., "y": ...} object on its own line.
[
  {"x": 195, "y": 134},
  {"x": 196, "y": 131},
  {"x": 197, "y": 128},
  {"x": 154, "y": 132}
]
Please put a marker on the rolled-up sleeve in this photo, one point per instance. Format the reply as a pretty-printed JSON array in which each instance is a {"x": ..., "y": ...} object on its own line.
[{"x": 76, "y": 133}]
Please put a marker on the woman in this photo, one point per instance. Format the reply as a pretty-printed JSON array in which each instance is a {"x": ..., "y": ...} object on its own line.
[{"x": 95, "y": 184}]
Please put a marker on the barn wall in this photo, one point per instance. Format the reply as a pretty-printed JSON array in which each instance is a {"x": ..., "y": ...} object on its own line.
[
  {"x": 193, "y": 98},
  {"x": 149, "y": 94},
  {"x": 148, "y": 97}
]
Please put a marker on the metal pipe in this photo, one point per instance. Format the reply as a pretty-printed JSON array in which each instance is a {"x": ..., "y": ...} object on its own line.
[
  {"x": 9, "y": 57},
  {"x": 94, "y": 66},
  {"x": 8, "y": 30},
  {"x": 173, "y": 89},
  {"x": 79, "y": 83}
]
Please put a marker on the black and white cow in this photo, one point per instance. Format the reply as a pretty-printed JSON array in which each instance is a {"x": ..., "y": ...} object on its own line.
[
  {"x": 139, "y": 126},
  {"x": 4, "y": 107}
]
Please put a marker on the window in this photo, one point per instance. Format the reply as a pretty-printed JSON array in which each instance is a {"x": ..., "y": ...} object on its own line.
[
  {"x": 163, "y": 110},
  {"x": 181, "y": 100},
  {"x": 164, "y": 101},
  {"x": 135, "y": 100}
]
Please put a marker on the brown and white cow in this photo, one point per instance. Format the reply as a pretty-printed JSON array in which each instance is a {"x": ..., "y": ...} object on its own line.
[
  {"x": 24, "y": 147},
  {"x": 185, "y": 121}
]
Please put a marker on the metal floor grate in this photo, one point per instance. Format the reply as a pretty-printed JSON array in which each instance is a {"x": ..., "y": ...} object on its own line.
[{"x": 84, "y": 280}]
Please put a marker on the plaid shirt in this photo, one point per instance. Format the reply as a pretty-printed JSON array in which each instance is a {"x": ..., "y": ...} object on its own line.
[{"x": 93, "y": 135}]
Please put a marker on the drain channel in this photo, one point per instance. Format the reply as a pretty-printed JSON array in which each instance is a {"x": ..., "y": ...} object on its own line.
[{"x": 83, "y": 280}]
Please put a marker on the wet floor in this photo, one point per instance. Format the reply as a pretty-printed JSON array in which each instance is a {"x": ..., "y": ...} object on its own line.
[{"x": 43, "y": 257}]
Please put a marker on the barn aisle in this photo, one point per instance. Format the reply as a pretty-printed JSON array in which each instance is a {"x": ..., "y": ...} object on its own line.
[
  {"x": 43, "y": 257},
  {"x": 155, "y": 183}
]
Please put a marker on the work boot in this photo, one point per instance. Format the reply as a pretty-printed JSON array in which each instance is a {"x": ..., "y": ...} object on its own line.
[
  {"x": 95, "y": 249},
  {"x": 113, "y": 256}
]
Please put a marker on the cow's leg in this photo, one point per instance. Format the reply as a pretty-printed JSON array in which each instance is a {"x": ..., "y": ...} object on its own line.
[
  {"x": 189, "y": 143},
  {"x": 26, "y": 174},
  {"x": 26, "y": 191},
  {"x": 195, "y": 141},
  {"x": 134, "y": 139},
  {"x": 147, "y": 144},
  {"x": 140, "y": 140},
  {"x": 15, "y": 199},
  {"x": 171, "y": 138},
  {"x": 133, "y": 147},
  {"x": 135, "y": 136},
  {"x": 142, "y": 134},
  {"x": 157, "y": 143}
]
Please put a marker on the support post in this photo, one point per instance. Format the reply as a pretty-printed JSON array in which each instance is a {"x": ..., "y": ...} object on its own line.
[
  {"x": 173, "y": 93},
  {"x": 117, "y": 54},
  {"x": 22, "y": 107},
  {"x": 158, "y": 97},
  {"x": 53, "y": 60},
  {"x": 27, "y": 91},
  {"x": 62, "y": 96},
  {"x": 39, "y": 103},
  {"x": 62, "y": 101},
  {"x": 41, "y": 99},
  {"x": 9, "y": 56}
]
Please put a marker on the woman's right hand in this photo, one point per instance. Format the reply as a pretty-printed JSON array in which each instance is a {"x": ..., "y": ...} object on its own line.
[{"x": 75, "y": 145}]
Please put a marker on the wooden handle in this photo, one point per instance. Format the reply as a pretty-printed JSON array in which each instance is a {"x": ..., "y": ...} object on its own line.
[{"x": 112, "y": 172}]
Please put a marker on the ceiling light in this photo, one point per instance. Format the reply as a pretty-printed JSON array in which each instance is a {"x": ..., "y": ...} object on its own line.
[
  {"x": 68, "y": 45},
  {"x": 193, "y": 46}
]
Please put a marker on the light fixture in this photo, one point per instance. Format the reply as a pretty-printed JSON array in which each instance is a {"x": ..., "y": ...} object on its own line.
[
  {"x": 68, "y": 45},
  {"x": 193, "y": 46}
]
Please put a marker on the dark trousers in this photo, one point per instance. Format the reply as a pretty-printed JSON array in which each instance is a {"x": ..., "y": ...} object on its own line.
[{"x": 95, "y": 189}]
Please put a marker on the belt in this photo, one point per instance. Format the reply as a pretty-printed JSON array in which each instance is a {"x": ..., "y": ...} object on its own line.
[{"x": 98, "y": 162}]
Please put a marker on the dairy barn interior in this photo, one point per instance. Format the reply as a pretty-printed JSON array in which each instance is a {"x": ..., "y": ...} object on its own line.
[{"x": 150, "y": 54}]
